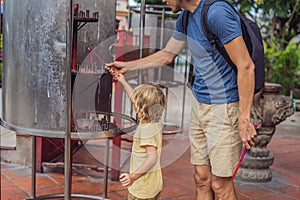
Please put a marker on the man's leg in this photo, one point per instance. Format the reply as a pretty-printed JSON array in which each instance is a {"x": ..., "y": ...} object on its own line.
[
  {"x": 203, "y": 180},
  {"x": 227, "y": 147},
  {"x": 223, "y": 188}
]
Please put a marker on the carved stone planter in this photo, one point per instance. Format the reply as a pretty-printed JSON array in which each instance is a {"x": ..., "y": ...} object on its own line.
[{"x": 269, "y": 109}]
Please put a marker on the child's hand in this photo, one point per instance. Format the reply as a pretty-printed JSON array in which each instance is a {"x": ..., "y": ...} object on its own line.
[
  {"x": 120, "y": 77},
  {"x": 126, "y": 180},
  {"x": 116, "y": 74}
]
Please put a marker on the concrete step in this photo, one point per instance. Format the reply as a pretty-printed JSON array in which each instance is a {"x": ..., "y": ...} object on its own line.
[{"x": 7, "y": 139}]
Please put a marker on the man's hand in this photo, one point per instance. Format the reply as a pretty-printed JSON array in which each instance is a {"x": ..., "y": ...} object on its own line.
[
  {"x": 247, "y": 132},
  {"x": 116, "y": 67}
]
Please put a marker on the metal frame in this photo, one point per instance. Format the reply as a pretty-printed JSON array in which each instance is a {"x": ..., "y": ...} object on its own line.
[
  {"x": 68, "y": 176},
  {"x": 66, "y": 133},
  {"x": 111, "y": 131}
]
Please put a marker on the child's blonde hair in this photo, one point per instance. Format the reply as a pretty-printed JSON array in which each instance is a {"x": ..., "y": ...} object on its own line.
[{"x": 149, "y": 102}]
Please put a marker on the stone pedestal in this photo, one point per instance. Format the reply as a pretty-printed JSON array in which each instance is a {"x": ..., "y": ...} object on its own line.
[{"x": 269, "y": 109}]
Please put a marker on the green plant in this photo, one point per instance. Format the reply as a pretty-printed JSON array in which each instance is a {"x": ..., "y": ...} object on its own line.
[
  {"x": 284, "y": 69},
  {"x": 279, "y": 20}
]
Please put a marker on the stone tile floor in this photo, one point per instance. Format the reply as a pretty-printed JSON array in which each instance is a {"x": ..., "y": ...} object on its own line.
[{"x": 177, "y": 173}]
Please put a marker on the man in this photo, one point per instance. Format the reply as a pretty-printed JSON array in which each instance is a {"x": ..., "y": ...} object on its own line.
[{"x": 220, "y": 117}]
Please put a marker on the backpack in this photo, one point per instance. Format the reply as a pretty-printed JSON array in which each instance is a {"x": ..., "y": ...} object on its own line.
[{"x": 251, "y": 35}]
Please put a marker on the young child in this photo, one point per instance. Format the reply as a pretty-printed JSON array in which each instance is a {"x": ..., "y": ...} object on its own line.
[{"x": 144, "y": 181}]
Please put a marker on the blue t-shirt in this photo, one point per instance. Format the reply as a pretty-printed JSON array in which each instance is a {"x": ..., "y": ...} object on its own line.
[{"x": 215, "y": 81}]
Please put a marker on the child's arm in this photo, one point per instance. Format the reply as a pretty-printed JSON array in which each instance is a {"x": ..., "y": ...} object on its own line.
[
  {"x": 127, "y": 179},
  {"x": 128, "y": 89}
]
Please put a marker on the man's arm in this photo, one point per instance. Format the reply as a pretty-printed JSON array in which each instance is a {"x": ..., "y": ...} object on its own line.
[
  {"x": 158, "y": 59},
  {"x": 239, "y": 54}
]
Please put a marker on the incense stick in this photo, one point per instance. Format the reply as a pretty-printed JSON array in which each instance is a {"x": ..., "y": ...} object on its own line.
[
  {"x": 99, "y": 58},
  {"x": 91, "y": 59},
  {"x": 240, "y": 162}
]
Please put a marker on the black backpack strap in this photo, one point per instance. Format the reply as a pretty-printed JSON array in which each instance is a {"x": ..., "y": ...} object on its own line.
[
  {"x": 212, "y": 38},
  {"x": 185, "y": 20},
  {"x": 191, "y": 75}
]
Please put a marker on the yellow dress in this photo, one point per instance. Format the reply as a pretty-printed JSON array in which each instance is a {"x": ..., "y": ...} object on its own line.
[{"x": 151, "y": 183}]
